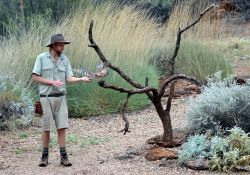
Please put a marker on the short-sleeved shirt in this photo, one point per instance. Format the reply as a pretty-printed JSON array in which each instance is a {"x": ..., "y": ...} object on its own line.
[{"x": 46, "y": 67}]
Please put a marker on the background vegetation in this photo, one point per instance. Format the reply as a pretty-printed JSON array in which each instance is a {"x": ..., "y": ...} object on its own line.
[{"x": 129, "y": 37}]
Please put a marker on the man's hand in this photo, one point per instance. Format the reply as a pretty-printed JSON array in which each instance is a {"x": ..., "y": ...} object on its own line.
[
  {"x": 86, "y": 79},
  {"x": 57, "y": 83}
]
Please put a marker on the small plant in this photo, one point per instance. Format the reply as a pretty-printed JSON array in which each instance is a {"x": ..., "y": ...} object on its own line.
[
  {"x": 71, "y": 138},
  {"x": 53, "y": 142},
  {"x": 238, "y": 139},
  {"x": 90, "y": 140},
  {"x": 230, "y": 152},
  {"x": 223, "y": 154},
  {"x": 218, "y": 145},
  {"x": 195, "y": 148},
  {"x": 21, "y": 150},
  {"x": 23, "y": 135}
]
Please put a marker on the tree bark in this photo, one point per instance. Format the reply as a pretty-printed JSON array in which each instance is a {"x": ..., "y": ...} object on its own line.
[{"x": 166, "y": 122}]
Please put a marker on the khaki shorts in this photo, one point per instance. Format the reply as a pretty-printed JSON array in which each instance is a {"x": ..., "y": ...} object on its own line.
[{"x": 55, "y": 113}]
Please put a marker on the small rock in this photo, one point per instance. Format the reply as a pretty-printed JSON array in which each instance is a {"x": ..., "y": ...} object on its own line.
[
  {"x": 158, "y": 153},
  {"x": 130, "y": 153},
  {"x": 166, "y": 163},
  {"x": 198, "y": 164},
  {"x": 193, "y": 88},
  {"x": 242, "y": 168},
  {"x": 101, "y": 160},
  {"x": 133, "y": 152},
  {"x": 124, "y": 157}
]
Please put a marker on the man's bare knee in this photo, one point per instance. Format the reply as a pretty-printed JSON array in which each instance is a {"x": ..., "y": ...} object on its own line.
[{"x": 61, "y": 130}]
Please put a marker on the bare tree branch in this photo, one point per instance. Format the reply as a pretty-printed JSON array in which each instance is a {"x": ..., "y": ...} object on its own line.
[
  {"x": 178, "y": 40},
  {"x": 124, "y": 107},
  {"x": 125, "y": 90},
  {"x": 105, "y": 61},
  {"x": 171, "y": 63},
  {"x": 173, "y": 78},
  {"x": 146, "y": 81},
  {"x": 197, "y": 20}
]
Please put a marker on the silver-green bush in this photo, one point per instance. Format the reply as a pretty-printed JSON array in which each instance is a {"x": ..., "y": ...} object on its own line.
[{"x": 221, "y": 106}]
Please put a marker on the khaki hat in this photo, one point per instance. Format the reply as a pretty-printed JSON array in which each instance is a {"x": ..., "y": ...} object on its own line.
[{"x": 57, "y": 38}]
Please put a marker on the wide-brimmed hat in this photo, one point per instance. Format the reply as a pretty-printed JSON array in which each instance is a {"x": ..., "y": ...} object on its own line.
[{"x": 57, "y": 38}]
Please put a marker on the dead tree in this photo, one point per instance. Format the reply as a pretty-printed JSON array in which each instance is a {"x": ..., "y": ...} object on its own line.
[{"x": 155, "y": 95}]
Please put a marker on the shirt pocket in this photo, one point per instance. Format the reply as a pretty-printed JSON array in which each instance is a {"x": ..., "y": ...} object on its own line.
[
  {"x": 62, "y": 72},
  {"x": 47, "y": 72}
]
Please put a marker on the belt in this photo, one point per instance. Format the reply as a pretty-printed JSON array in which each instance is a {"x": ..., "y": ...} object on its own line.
[{"x": 53, "y": 95}]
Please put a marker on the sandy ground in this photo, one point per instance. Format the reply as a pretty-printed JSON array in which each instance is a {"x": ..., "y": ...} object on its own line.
[{"x": 95, "y": 147}]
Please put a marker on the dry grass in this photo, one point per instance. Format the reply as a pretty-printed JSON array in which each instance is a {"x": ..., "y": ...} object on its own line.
[{"x": 187, "y": 11}]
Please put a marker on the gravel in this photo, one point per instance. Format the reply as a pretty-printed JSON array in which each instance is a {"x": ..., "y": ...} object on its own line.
[{"x": 95, "y": 146}]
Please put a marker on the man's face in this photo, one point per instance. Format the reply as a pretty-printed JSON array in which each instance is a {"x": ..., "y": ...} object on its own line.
[{"x": 59, "y": 47}]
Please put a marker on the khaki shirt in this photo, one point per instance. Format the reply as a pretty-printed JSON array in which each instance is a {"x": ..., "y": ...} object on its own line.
[{"x": 48, "y": 69}]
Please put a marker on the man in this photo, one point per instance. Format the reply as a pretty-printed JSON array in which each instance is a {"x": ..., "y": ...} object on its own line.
[{"x": 52, "y": 70}]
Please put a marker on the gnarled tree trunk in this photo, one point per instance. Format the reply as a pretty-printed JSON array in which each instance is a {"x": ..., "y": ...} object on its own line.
[
  {"x": 155, "y": 95},
  {"x": 166, "y": 122}
]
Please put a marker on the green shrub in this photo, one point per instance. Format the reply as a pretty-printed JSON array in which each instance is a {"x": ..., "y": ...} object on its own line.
[
  {"x": 221, "y": 106},
  {"x": 16, "y": 106},
  {"x": 231, "y": 151}
]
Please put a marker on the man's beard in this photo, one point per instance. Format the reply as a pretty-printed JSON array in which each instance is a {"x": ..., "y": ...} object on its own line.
[{"x": 58, "y": 52}]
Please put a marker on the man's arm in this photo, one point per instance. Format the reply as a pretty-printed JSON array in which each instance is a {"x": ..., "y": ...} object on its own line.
[
  {"x": 42, "y": 80},
  {"x": 75, "y": 80}
]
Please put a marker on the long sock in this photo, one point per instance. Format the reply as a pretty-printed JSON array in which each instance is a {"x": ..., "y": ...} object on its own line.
[
  {"x": 45, "y": 152},
  {"x": 63, "y": 151}
]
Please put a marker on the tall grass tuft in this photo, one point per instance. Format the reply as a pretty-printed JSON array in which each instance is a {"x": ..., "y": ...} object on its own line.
[{"x": 198, "y": 59}]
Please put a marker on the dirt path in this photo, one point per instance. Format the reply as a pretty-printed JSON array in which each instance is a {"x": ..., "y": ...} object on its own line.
[{"x": 95, "y": 147}]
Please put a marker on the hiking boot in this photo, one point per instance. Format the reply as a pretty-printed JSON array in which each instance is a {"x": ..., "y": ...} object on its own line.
[
  {"x": 65, "y": 161},
  {"x": 44, "y": 161}
]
